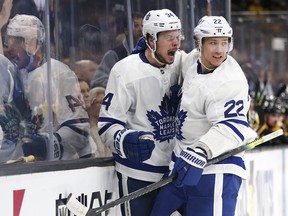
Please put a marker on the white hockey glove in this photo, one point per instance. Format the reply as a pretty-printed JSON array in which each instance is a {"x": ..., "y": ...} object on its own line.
[
  {"x": 136, "y": 146},
  {"x": 189, "y": 166}
]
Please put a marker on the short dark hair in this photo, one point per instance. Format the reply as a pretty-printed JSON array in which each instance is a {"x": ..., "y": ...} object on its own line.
[{"x": 135, "y": 15}]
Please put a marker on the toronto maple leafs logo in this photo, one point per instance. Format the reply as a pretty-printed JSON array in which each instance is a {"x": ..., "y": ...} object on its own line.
[
  {"x": 163, "y": 122},
  {"x": 147, "y": 17},
  {"x": 179, "y": 123}
]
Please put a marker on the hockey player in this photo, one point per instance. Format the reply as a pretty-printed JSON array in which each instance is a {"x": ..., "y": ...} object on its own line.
[
  {"x": 9, "y": 116},
  {"x": 137, "y": 118},
  {"x": 25, "y": 45},
  {"x": 212, "y": 119}
]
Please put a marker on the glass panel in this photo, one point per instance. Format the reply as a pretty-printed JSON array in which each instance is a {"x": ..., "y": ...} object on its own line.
[
  {"x": 261, "y": 40},
  {"x": 44, "y": 99}
]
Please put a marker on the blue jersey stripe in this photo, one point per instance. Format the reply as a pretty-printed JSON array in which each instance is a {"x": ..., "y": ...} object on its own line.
[
  {"x": 141, "y": 166},
  {"x": 245, "y": 123},
  {"x": 110, "y": 122},
  {"x": 70, "y": 124},
  {"x": 236, "y": 131}
]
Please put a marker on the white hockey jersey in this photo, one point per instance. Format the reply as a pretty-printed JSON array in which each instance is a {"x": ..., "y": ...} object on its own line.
[
  {"x": 6, "y": 81},
  {"x": 70, "y": 119},
  {"x": 6, "y": 96},
  {"x": 137, "y": 97},
  {"x": 213, "y": 110}
]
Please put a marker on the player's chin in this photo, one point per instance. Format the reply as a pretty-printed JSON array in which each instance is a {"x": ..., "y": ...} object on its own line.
[
  {"x": 217, "y": 61},
  {"x": 170, "y": 59}
]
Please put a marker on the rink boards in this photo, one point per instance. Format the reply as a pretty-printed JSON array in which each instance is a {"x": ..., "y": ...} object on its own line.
[{"x": 42, "y": 188}]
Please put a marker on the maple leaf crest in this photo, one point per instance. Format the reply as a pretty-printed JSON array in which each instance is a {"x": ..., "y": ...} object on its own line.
[
  {"x": 179, "y": 123},
  {"x": 163, "y": 122}
]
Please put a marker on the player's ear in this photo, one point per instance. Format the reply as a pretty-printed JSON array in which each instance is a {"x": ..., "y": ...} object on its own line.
[
  {"x": 150, "y": 41},
  {"x": 196, "y": 42}
]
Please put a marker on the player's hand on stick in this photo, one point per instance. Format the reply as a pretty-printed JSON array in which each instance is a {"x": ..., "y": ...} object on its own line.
[
  {"x": 189, "y": 166},
  {"x": 136, "y": 146}
]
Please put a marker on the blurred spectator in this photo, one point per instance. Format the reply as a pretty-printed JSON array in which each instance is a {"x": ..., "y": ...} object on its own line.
[
  {"x": 272, "y": 122},
  {"x": 91, "y": 44},
  {"x": 27, "y": 7},
  {"x": 97, "y": 95},
  {"x": 112, "y": 56},
  {"x": 85, "y": 89},
  {"x": 254, "y": 120},
  {"x": 85, "y": 69},
  {"x": 266, "y": 82},
  {"x": 252, "y": 78},
  {"x": 256, "y": 6},
  {"x": 93, "y": 100},
  {"x": 284, "y": 119}
]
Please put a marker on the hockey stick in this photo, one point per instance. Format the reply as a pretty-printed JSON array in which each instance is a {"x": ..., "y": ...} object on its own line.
[{"x": 79, "y": 209}]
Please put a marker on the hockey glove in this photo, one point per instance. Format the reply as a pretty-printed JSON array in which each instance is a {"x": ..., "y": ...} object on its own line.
[
  {"x": 189, "y": 166},
  {"x": 140, "y": 47},
  {"x": 136, "y": 146},
  {"x": 38, "y": 146}
]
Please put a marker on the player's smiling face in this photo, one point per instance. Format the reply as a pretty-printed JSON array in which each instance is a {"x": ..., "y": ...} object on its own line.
[
  {"x": 168, "y": 43},
  {"x": 214, "y": 51}
]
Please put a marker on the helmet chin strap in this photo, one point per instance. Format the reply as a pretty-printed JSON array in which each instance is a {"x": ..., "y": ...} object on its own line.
[
  {"x": 209, "y": 69},
  {"x": 32, "y": 61},
  {"x": 153, "y": 53},
  {"x": 200, "y": 59},
  {"x": 31, "y": 54}
]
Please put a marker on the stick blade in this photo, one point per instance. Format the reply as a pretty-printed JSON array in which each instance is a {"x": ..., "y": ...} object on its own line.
[{"x": 75, "y": 206}]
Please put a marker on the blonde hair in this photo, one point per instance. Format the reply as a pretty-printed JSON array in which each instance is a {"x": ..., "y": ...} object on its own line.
[{"x": 96, "y": 91}]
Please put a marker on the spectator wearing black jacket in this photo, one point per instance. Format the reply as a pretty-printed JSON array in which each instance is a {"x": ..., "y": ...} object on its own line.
[{"x": 116, "y": 54}]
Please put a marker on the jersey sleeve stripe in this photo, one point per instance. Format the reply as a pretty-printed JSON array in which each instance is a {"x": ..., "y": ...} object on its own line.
[
  {"x": 109, "y": 122},
  {"x": 78, "y": 130},
  {"x": 75, "y": 121},
  {"x": 245, "y": 123},
  {"x": 235, "y": 130},
  {"x": 71, "y": 124}
]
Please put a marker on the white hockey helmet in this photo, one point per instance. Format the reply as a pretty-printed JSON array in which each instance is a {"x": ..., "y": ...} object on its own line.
[
  {"x": 156, "y": 21},
  {"x": 28, "y": 27},
  {"x": 213, "y": 26}
]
